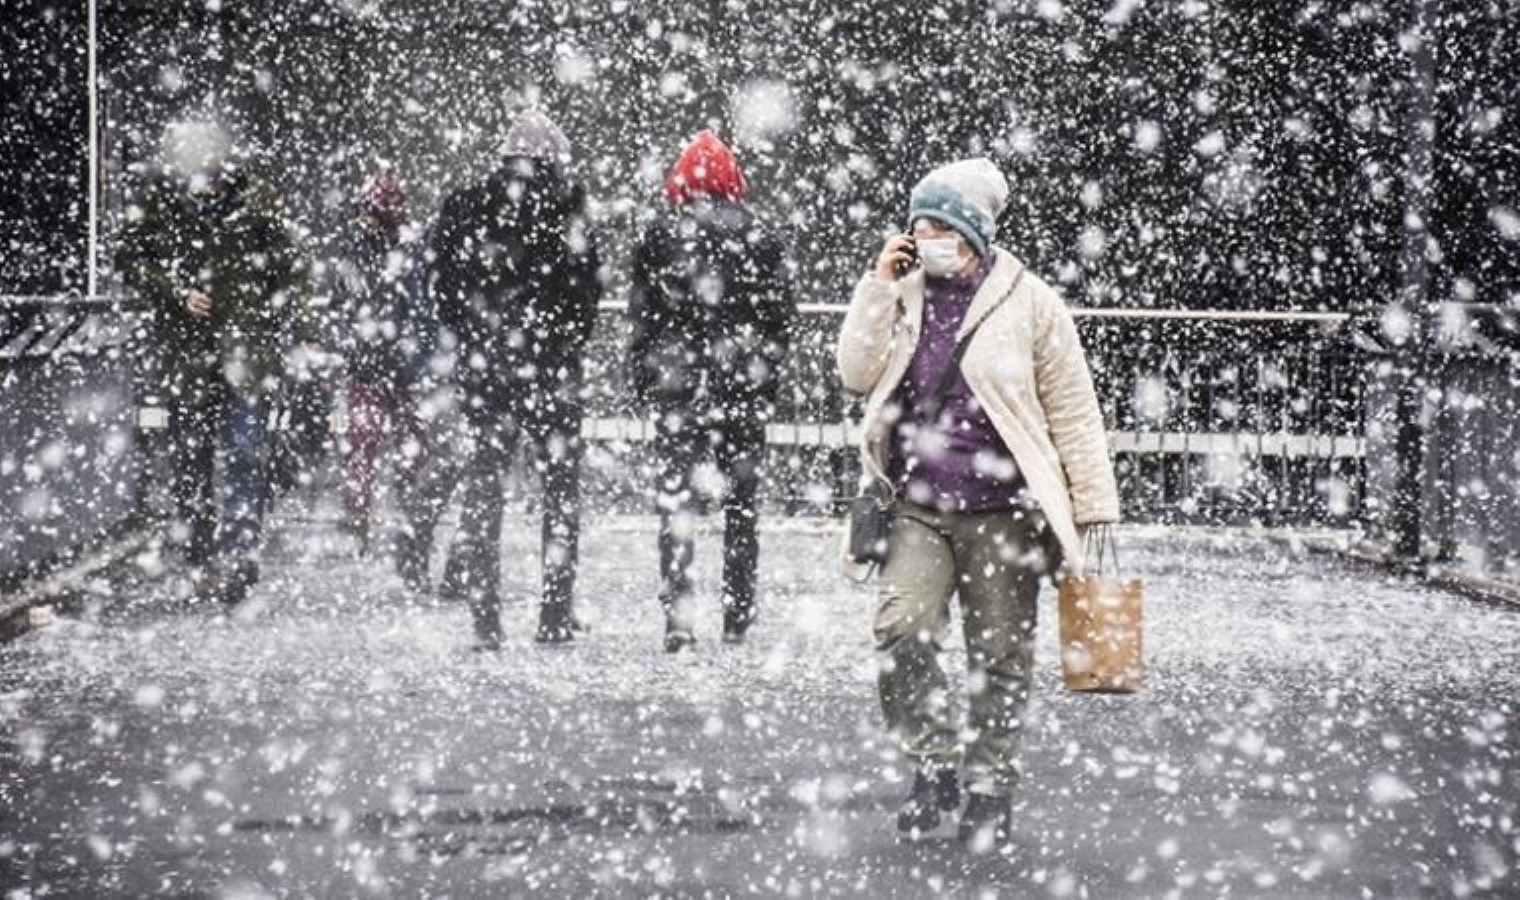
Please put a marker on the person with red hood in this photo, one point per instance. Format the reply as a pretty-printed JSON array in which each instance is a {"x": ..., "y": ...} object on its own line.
[{"x": 713, "y": 310}]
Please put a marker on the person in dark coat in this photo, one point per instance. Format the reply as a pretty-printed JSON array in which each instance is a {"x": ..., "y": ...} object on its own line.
[
  {"x": 712, "y": 314},
  {"x": 517, "y": 282},
  {"x": 208, "y": 245}
]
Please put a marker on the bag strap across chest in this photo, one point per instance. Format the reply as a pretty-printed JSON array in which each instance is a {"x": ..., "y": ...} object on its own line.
[{"x": 947, "y": 378}]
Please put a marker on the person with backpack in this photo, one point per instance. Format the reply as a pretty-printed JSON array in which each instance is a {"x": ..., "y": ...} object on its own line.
[{"x": 713, "y": 312}]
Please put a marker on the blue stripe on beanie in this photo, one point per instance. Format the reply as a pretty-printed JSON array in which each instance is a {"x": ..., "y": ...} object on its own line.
[{"x": 936, "y": 200}]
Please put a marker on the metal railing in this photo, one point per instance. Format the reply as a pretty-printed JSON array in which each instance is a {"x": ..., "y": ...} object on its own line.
[
  {"x": 1214, "y": 416},
  {"x": 70, "y": 457},
  {"x": 1467, "y": 519}
]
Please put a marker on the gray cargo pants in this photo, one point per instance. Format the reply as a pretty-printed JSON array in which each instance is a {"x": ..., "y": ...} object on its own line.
[{"x": 994, "y": 563}]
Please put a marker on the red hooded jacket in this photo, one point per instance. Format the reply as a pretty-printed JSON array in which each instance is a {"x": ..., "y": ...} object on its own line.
[{"x": 706, "y": 168}]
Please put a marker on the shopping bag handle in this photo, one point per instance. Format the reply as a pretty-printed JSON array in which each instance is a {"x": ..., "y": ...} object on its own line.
[{"x": 1100, "y": 537}]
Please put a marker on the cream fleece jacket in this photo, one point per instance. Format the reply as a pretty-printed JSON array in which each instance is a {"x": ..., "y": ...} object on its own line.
[{"x": 1026, "y": 368}]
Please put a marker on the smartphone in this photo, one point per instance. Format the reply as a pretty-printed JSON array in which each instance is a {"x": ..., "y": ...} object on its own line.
[{"x": 912, "y": 263}]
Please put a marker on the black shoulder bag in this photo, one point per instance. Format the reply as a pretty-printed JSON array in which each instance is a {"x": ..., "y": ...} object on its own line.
[{"x": 871, "y": 512}]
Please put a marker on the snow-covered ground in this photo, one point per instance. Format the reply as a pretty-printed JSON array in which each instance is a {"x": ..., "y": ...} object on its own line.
[{"x": 1309, "y": 728}]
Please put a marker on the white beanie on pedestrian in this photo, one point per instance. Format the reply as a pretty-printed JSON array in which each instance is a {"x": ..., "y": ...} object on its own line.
[
  {"x": 968, "y": 195},
  {"x": 195, "y": 149},
  {"x": 535, "y": 135}
]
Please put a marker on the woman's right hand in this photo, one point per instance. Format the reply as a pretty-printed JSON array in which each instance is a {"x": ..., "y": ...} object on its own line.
[
  {"x": 198, "y": 304},
  {"x": 896, "y": 257}
]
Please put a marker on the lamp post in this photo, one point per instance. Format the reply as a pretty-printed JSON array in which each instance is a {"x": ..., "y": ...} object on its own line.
[{"x": 92, "y": 95}]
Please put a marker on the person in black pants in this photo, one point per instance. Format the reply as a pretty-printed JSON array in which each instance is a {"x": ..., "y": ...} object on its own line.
[
  {"x": 713, "y": 313},
  {"x": 516, "y": 279},
  {"x": 211, "y": 250}
]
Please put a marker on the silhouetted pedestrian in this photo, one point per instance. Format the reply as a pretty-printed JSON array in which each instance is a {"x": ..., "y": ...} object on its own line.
[
  {"x": 517, "y": 282},
  {"x": 208, "y": 245},
  {"x": 713, "y": 313}
]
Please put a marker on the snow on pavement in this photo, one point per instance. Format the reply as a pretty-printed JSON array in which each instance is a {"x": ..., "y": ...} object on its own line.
[{"x": 1309, "y": 728}]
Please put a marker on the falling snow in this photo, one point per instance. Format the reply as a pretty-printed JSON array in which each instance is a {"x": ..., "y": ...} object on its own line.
[{"x": 409, "y": 270}]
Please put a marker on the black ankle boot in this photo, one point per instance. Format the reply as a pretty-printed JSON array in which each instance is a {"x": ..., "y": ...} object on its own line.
[
  {"x": 933, "y": 793},
  {"x": 736, "y": 624},
  {"x": 357, "y": 527},
  {"x": 488, "y": 633},
  {"x": 456, "y": 583},
  {"x": 234, "y": 581},
  {"x": 679, "y": 630},
  {"x": 555, "y": 624},
  {"x": 987, "y": 822},
  {"x": 412, "y": 562},
  {"x": 678, "y": 636}
]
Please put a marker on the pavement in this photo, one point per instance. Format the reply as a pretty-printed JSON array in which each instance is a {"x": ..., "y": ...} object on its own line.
[{"x": 1310, "y": 728}]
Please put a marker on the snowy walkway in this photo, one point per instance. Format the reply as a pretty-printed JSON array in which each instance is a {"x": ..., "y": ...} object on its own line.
[{"x": 1309, "y": 730}]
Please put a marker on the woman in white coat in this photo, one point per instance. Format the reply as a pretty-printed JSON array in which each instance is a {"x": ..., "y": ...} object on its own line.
[{"x": 996, "y": 472}]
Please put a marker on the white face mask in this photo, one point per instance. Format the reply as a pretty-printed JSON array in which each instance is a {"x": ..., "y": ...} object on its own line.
[{"x": 940, "y": 256}]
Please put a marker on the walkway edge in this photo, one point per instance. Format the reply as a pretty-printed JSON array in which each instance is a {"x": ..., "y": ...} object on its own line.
[
  {"x": 15, "y": 605},
  {"x": 1444, "y": 577}
]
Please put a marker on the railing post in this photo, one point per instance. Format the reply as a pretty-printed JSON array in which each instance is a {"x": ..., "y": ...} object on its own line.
[{"x": 1413, "y": 303}]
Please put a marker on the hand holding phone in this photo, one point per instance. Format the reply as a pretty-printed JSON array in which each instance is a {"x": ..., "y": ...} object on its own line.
[
  {"x": 198, "y": 303},
  {"x": 899, "y": 256}
]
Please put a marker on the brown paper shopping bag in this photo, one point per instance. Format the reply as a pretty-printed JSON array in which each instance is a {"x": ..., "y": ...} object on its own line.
[{"x": 1101, "y": 626}]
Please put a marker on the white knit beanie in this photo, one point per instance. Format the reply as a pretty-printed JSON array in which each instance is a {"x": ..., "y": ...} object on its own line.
[
  {"x": 967, "y": 195},
  {"x": 535, "y": 135}
]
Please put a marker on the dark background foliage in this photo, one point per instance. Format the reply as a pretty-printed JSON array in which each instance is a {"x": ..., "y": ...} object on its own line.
[{"x": 1225, "y": 154}]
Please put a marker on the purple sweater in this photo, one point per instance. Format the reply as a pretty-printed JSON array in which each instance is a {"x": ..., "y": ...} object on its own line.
[{"x": 960, "y": 463}]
